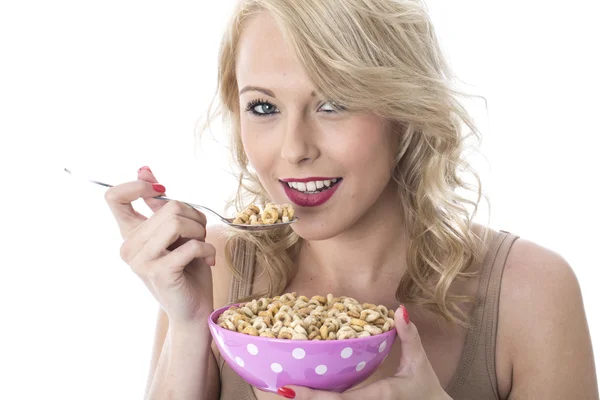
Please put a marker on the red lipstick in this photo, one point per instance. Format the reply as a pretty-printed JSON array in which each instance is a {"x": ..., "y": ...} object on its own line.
[{"x": 309, "y": 199}]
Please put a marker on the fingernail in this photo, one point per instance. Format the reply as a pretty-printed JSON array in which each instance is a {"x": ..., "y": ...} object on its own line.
[
  {"x": 146, "y": 168},
  {"x": 286, "y": 392},
  {"x": 159, "y": 188},
  {"x": 405, "y": 315}
]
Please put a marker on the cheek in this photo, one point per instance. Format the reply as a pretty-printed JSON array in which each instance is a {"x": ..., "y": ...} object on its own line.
[
  {"x": 364, "y": 143},
  {"x": 258, "y": 151}
]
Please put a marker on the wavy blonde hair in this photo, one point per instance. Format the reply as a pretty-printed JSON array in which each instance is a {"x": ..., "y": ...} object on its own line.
[{"x": 379, "y": 56}]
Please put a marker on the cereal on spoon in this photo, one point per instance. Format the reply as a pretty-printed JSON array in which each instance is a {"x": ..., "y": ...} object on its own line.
[
  {"x": 272, "y": 214},
  {"x": 301, "y": 318}
]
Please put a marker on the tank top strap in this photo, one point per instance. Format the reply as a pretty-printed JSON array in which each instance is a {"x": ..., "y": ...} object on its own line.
[
  {"x": 475, "y": 377},
  {"x": 490, "y": 313},
  {"x": 244, "y": 259}
]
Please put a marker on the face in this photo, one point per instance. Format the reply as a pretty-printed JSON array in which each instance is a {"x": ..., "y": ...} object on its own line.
[{"x": 332, "y": 165}]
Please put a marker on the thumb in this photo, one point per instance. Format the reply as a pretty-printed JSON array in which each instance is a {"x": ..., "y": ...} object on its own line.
[
  {"x": 412, "y": 350},
  {"x": 145, "y": 174}
]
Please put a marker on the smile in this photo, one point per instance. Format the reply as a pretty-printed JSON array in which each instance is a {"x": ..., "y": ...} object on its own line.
[
  {"x": 310, "y": 192},
  {"x": 311, "y": 187}
]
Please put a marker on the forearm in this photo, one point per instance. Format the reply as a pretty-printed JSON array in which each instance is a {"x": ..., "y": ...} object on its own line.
[{"x": 187, "y": 369}]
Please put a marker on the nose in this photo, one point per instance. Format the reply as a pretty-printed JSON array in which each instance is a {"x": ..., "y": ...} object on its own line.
[{"x": 299, "y": 142}]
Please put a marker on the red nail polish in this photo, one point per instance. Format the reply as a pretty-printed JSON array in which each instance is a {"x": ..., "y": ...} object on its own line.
[
  {"x": 159, "y": 188},
  {"x": 405, "y": 315},
  {"x": 146, "y": 168},
  {"x": 286, "y": 392}
]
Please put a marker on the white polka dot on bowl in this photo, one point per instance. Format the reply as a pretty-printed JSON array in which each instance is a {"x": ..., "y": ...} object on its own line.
[
  {"x": 346, "y": 353},
  {"x": 239, "y": 361},
  {"x": 360, "y": 365},
  {"x": 276, "y": 367},
  {"x": 252, "y": 349},
  {"x": 321, "y": 369},
  {"x": 382, "y": 346},
  {"x": 298, "y": 353}
]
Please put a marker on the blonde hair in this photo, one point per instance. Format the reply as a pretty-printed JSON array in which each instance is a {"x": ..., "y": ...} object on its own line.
[{"x": 379, "y": 56}]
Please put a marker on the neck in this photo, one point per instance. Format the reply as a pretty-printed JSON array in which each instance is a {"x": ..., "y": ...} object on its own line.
[{"x": 369, "y": 254}]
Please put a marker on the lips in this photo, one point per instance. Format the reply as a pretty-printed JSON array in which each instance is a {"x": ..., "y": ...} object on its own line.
[{"x": 304, "y": 199}]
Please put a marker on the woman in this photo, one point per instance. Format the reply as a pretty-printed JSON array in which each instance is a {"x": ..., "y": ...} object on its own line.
[{"x": 345, "y": 108}]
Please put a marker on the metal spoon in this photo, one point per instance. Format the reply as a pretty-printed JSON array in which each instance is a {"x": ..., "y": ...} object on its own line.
[{"x": 228, "y": 221}]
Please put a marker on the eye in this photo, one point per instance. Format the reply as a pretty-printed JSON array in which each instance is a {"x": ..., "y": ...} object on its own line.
[
  {"x": 330, "y": 107},
  {"x": 261, "y": 108}
]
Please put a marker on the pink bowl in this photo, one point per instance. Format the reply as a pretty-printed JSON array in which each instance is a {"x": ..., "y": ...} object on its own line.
[{"x": 333, "y": 365}]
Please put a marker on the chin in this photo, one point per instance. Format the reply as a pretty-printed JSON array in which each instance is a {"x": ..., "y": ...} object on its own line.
[{"x": 315, "y": 231}]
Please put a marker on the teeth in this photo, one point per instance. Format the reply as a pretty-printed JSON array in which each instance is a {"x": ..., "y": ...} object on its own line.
[{"x": 312, "y": 186}]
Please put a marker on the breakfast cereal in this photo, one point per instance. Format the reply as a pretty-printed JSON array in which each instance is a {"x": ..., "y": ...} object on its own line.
[{"x": 299, "y": 318}]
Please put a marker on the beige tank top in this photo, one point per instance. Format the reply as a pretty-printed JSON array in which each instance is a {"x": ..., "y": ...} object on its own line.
[{"x": 475, "y": 376}]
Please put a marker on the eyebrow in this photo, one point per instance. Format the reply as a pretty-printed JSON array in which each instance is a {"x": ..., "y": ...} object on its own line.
[
  {"x": 265, "y": 91},
  {"x": 257, "y": 89}
]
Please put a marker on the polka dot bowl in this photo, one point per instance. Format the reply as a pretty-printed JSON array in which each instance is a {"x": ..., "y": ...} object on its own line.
[{"x": 332, "y": 365}]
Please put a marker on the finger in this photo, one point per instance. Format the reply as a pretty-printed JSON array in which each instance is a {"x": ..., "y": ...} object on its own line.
[
  {"x": 156, "y": 224},
  {"x": 169, "y": 268},
  {"x": 166, "y": 233},
  {"x": 119, "y": 199},
  {"x": 174, "y": 207},
  {"x": 413, "y": 353},
  {"x": 145, "y": 174}
]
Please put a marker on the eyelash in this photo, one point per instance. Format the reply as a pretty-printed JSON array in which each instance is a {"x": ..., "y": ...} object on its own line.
[
  {"x": 250, "y": 108},
  {"x": 257, "y": 102}
]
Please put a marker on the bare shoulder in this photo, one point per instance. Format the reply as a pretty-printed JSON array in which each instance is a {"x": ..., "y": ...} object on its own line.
[
  {"x": 536, "y": 282},
  {"x": 542, "y": 326}
]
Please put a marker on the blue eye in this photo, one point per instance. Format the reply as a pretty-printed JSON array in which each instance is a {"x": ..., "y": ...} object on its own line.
[{"x": 261, "y": 108}]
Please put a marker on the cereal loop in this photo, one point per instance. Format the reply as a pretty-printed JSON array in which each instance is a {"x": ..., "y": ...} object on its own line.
[
  {"x": 369, "y": 315},
  {"x": 346, "y": 332},
  {"x": 269, "y": 216}
]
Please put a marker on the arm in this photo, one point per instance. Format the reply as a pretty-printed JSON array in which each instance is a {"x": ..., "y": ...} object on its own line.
[
  {"x": 545, "y": 324},
  {"x": 187, "y": 368},
  {"x": 221, "y": 275},
  {"x": 162, "y": 327}
]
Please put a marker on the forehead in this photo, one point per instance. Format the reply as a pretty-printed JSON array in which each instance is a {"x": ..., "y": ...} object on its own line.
[{"x": 263, "y": 58}]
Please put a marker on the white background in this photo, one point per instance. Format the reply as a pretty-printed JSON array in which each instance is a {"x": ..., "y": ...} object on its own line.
[{"x": 105, "y": 87}]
